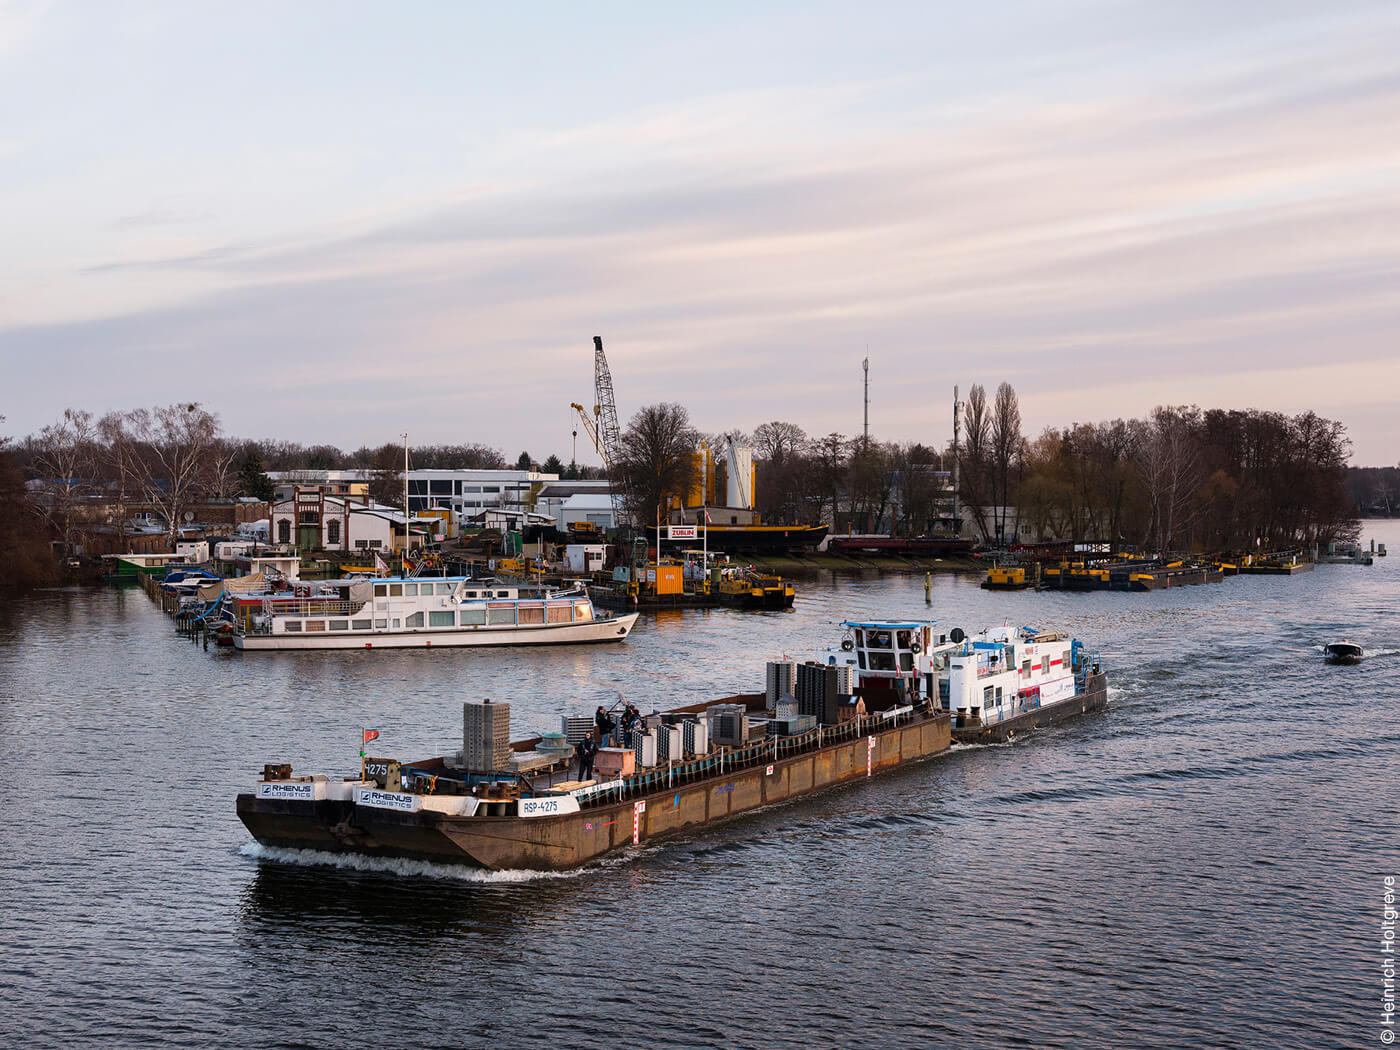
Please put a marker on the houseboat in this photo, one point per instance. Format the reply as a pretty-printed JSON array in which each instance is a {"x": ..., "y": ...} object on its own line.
[{"x": 421, "y": 612}]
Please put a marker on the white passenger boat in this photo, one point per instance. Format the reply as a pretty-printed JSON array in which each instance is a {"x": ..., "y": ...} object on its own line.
[{"x": 424, "y": 612}]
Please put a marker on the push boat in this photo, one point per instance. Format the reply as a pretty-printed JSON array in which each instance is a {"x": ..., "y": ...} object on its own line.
[
  {"x": 895, "y": 693},
  {"x": 1343, "y": 652},
  {"x": 422, "y": 612}
]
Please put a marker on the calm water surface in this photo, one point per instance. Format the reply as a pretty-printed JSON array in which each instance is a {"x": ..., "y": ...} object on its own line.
[{"x": 1201, "y": 864}]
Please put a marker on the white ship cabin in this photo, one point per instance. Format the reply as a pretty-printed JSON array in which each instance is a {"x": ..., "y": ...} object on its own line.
[
  {"x": 981, "y": 680},
  {"x": 1006, "y": 671},
  {"x": 391, "y": 604}
]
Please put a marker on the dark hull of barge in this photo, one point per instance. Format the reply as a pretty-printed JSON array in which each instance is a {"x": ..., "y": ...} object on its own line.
[
  {"x": 1093, "y": 698},
  {"x": 568, "y": 841}
]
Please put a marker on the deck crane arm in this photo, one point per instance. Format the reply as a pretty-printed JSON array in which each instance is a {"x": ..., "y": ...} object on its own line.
[{"x": 590, "y": 428}]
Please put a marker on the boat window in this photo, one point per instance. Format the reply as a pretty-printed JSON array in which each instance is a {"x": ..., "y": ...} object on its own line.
[
  {"x": 882, "y": 661},
  {"x": 473, "y": 617},
  {"x": 381, "y": 590},
  {"x": 502, "y": 615},
  {"x": 987, "y": 694},
  {"x": 1025, "y": 667},
  {"x": 903, "y": 638},
  {"x": 470, "y": 594},
  {"x": 906, "y": 661},
  {"x": 878, "y": 639},
  {"x": 397, "y": 623},
  {"x": 583, "y": 611},
  {"x": 441, "y": 619},
  {"x": 416, "y": 620},
  {"x": 381, "y": 625},
  {"x": 860, "y": 659},
  {"x": 503, "y": 594},
  {"x": 531, "y": 614},
  {"x": 340, "y": 625},
  {"x": 560, "y": 612},
  {"x": 294, "y": 626},
  {"x": 360, "y": 625},
  {"x": 395, "y": 590},
  {"x": 315, "y": 625},
  {"x": 860, "y": 638},
  {"x": 445, "y": 588},
  {"x": 410, "y": 590}
]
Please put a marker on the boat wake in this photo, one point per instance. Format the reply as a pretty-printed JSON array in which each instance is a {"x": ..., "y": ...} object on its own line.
[{"x": 311, "y": 858}]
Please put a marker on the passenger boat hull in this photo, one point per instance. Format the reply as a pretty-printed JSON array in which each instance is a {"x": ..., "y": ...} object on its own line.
[
  {"x": 567, "y": 841},
  {"x": 1094, "y": 697},
  {"x": 613, "y": 629}
]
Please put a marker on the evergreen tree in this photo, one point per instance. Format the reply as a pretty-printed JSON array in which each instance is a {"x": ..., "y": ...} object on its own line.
[
  {"x": 252, "y": 478},
  {"x": 522, "y": 462},
  {"x": 553, "y": 466}
]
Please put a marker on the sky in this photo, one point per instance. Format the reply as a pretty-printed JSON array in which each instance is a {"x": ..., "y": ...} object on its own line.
[{"x": 336, "y": 222}]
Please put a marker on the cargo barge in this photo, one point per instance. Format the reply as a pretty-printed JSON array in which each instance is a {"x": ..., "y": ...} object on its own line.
[{"x": 895, "y": 693}]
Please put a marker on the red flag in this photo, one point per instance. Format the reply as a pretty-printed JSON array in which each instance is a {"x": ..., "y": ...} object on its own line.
[
  {"x": 707, "y": 517},
  {"x": 371, "y": 734}
]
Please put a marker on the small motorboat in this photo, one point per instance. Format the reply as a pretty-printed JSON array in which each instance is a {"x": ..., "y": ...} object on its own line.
[{"x": 1343, "y": 652}]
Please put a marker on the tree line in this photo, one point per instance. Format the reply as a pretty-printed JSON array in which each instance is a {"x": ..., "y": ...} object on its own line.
[{"x": 1182, "y": 478}]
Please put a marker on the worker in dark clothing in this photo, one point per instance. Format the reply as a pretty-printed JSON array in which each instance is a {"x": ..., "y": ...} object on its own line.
[
  {"x": 585, "y": 763},
  {"x": 606, "y": 725},
  {"x": 630, "y": 717}
]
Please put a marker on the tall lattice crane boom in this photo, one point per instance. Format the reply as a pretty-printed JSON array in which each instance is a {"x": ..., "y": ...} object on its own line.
[{"x": 609, "y": 435}]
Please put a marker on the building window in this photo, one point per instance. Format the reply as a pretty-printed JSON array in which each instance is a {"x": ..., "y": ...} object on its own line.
[
  {"x": 332, "y": 532},
  {"x": 308, "y": 517},
  {"x": 376, "y": 543},
  {"x": 490, "y": 488},
  {"x": 440, "y": 488}
]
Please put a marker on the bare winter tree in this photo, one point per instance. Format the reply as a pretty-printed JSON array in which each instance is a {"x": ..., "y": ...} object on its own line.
[
  {"x": 1006, "y": 450},
  {"x": 975, "y": 468},
  {"x": 64, "y": 455},
  {"x": 657, "y": 459},
  {"x": 386, "y": 476},
  {"x": 120, "y": 455},
  {"x": 779, "y": 449},
  {"x": 177, "y": 462},
  {"x": 1170, "y": 464}
]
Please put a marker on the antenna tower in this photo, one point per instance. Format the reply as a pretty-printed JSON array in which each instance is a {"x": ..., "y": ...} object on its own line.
[{"x": 866, "y": 365}]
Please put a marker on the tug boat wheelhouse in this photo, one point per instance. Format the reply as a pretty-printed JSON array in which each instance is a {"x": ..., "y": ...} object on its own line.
[
  {"x": 1002, "y": 681},
  {"x": 422, "y": 612}
]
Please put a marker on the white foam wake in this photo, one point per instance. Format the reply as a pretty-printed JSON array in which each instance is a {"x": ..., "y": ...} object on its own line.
[{"x": 313, "y": 858}]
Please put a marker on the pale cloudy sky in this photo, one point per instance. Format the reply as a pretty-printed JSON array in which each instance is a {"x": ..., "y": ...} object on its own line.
[{"x": 338, "y": 221}]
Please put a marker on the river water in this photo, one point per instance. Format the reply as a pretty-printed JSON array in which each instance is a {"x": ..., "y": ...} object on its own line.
[{"x": 1201, "y": 864}]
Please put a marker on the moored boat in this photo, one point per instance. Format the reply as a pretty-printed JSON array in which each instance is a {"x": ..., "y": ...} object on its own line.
[{"x": 421, "y": 612}]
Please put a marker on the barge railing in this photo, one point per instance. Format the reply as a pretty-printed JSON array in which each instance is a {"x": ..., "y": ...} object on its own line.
[{"x": 730, "y": 759}]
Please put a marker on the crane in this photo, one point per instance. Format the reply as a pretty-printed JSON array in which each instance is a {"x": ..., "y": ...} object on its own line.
[{"x": 602, "y": 429}]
